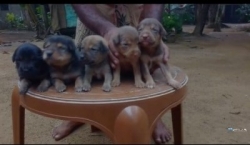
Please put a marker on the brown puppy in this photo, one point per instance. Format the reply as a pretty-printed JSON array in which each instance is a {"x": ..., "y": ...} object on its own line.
[
  {"x": 94, "y": 54},
  {"x": 126, "y": 43},
  {"x": 61, "y": 55},
  {"x": 150, "y": 41}
]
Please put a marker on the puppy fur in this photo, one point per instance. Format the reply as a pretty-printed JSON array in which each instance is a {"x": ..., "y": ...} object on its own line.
[
  {"x": 150, "y": 41},
  {"x": 31, "y": 68},
  {"x": 126, "y": 43},
  {"x": 94, "y": 54},
  {"x": 62, "y": 56}
]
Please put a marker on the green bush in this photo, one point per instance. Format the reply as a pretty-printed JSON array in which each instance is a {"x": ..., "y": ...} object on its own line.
[
  {"x": 244, "y": 13},
  {"x": 172, "y": 23},
  {"x": 15, "y": 22}
]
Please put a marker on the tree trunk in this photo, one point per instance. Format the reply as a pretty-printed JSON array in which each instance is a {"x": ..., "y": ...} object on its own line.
[
  {"x": 219, "y": 14},
  {"x": 211, "y": 15},
  {"x": 27, "y": 20},
  {"x": 201, "y": 17}
]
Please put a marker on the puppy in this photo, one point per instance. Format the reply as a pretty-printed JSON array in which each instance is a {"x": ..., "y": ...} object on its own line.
[
  {"x": 126, "y": 43},
  {"x": 31, "y": 68},
  {"x": 94, "y": 54},
  {"x": 150, "y": 41},
  {"x": 61, "y": 55}
]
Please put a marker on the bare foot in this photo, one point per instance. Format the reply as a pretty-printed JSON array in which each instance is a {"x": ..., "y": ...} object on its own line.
[
  {"x": 65, "y": 129},
  {"x": 161, "y": 134}
]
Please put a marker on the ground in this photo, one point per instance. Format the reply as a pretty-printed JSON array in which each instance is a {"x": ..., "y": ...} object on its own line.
[{"x": 218, "y": 91}]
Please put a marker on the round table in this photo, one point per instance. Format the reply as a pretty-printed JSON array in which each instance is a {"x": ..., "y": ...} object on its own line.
[{"x": 126, "y": 114}]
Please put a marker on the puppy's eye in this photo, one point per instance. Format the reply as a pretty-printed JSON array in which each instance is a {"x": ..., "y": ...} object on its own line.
[
  {"x": 19, "y": 59},
  {"x": 155, "y": 30},
  {"x": 140, "y": 29},
  {"x": 93, "y": 49},
  {"x": 125, "y": 45}
]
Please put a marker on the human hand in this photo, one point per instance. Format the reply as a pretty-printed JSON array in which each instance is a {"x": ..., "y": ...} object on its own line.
[{"x": 113, "y": 54}]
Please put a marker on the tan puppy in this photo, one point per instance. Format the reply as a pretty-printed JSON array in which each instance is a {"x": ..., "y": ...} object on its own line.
[
  {"x": 150, "y": 41},
  {"x": 94, "y": 54},
  {"x": 61, "y": 55},
  {"x": 126, "y": 43}
]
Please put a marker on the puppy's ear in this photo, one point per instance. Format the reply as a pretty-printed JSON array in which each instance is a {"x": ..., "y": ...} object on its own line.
[
  {"x": 117, "y": 39},
  {"x": 103, "y": 48},
  {"x": 72, "y": 45},
  {"x": 14, "y": 55},
  {"x": 163, "y": 32}
]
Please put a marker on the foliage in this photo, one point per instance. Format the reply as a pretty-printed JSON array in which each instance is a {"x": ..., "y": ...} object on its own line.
[
  {"x": 172, "y": 23},
  {"x": 15, "y": 21},
  {"x": 39, "y": 14},
  {"x": 186, "y": 14},
  {"x": 244, "y": 13}
]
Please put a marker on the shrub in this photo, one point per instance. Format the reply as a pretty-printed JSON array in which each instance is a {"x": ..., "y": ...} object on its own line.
[
  {"x": 172, "y": 23},
  {"x": 244, "y": 13},
  {"x": 15, "y": 22}
]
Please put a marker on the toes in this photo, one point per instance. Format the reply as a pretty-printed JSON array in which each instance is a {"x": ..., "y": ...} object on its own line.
[
  {"x": 164, "y": 139},
  {"x": 158, "y": 140}
]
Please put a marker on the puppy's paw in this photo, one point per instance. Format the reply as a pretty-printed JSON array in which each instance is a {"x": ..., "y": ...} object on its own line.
[
  {"x": 139, "y": 84},
  {"x": 44, "y": 85},
  {"x": 23, "y": 90},
  {"x": 23, "y": 86},
  {"x": 60, "y": 88},
  {"x": 150, "y": 84},
  {"x": 86, "y": 87},
  {"x": 115, "y": 83},
  {"x": 79, "y": 87},
  {"x": 175, "y": 84},
  {"x": 106, "y": 88}
]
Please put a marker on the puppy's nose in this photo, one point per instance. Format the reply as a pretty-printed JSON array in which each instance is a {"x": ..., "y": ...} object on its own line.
[
  {"x": 145, "y": 36},
  {"x": 82, "y": 57},
  {"x": 25, "y": 69},
  {"x": 49, "y": 53}
]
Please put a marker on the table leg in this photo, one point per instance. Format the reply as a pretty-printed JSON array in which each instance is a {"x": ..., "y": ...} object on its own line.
[
  {"x": 17, "y": 118},
  {"x": 177, "y": 124},
  {"x": 132, "y": 127}
]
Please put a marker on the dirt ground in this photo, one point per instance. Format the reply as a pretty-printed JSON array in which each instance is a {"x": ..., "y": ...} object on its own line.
[{"x": 218, "y": 66}]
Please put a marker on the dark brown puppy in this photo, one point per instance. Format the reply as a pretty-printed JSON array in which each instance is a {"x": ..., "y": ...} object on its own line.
[
  {"x": 31, "y": 68},
  {"x": 150, "y": 41},
  {"x": 126, "y": 43},
  {"x": 61, "y": 55},
  {"x": 94, "y": 54}
]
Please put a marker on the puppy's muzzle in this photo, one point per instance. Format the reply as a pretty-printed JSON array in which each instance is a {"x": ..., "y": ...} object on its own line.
[
  {"x": 47, "y": 54},
  {"x": 86, "y": 60},
  {"x": 145, "y": 36},
  {"x": 25, "y": 69},
  {"x": 82, "y": 58}
]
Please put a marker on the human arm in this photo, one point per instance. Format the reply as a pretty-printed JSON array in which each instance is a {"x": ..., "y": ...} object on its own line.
[{"x": 92, "y": 19}]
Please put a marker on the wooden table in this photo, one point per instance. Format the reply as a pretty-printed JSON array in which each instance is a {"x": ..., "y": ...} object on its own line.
[{"x": 126, "y": 114}]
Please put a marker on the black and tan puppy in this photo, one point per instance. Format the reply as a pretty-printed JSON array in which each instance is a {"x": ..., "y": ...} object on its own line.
[
  {"x": 61, "y": 55},
  {"x": 126, "y": 43},
  {"x": 150, "y": 41},
  {"x": 94, "y": 54},
  {"x": 31, "y": 68}
]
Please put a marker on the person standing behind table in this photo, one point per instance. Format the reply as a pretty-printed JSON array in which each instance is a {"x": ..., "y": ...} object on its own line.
[{"x": 103, "y": 19}]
